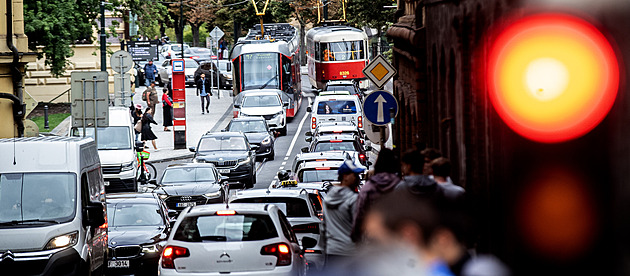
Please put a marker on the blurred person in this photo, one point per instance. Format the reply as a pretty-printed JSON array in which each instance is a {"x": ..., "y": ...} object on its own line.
[
  {"x": 147, "y": 133},
  {"x": 339, "y": 207},
  {"x": 150, "y": 70},
  {"x": 167, "y": 110},
  {"x": 441, "y": 168},
  {"x": 150, "y": 96},
  {"x": 384, "y": 180},
  {"x": 203, "y": 90},
  {"x": 429, "y": 154}
]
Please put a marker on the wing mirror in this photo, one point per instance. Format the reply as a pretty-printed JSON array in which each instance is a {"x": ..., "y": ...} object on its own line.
[
  {"x": 223, "y": 178},
  {"x": 285, "y": 104},
  {"x": 229, "y": 66},
  {"x": 172, "y": 214},
  {"x": 192, "y": 149},
  {"x": 308, "y": 133},
  {"x": 94, "y": 215},
  {"x": 139, "y": 146},
  {"x": 153, "y": 182},
  {"x": 304, "y": 149},
  {"x": 368, "y": 148},
  {"x": 308, "y": 242},
  {"x": 308, "y": 139},
  {"x": 237, "y": 106},
  {"x": 309, "y": 109}
]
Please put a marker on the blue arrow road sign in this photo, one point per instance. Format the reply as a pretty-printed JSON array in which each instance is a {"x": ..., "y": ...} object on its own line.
[{"x": 377, "y": 106}]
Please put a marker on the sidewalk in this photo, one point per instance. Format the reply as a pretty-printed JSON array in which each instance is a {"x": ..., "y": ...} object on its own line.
[{"x": 196, "y": 123}]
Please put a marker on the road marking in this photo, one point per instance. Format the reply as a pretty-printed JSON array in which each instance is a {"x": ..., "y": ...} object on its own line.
[
  {"x": 297, "y": 132},
  {"x": 286, "y": 158},
  {"x": 284, "y": 163},
  {"x": 281, "y": 168}
]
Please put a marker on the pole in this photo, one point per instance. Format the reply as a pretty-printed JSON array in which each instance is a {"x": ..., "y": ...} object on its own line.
[
  {"x": 218, "y": 72},
  {"x": 181, "y": 26},
  {"x": 103, "y": 39},
  {"x": 95, "y": 112},
  {"x": 382, "y": 130},
  {"x": 84, "y": 105},
  {"x": 46, "y": 126}
]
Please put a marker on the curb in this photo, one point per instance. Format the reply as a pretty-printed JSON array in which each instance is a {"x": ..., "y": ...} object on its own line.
[{"x": 173, "y": 158}]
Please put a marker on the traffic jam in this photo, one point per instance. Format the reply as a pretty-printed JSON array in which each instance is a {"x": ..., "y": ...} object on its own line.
[{"x": 210, "y": 214}]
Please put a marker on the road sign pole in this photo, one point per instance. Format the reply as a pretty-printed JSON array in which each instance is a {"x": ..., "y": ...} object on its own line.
[{"x": 383, "y": 136}]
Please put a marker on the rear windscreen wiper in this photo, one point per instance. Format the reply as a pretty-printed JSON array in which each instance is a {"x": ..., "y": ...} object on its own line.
[{"x": 16, "y": 222}]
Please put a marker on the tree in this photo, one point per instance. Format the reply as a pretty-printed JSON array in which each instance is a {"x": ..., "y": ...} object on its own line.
[
  {"x": 370, "y": 13},
  {"x": 199, "y": 12},
  {"x": 305, "y": 13},
  {"x": 56, "y": 26}
]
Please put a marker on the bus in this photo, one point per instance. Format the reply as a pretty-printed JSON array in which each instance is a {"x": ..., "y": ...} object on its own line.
[
  {"x": 336, "y": 53},
  {"x": 267, "y": 62}
]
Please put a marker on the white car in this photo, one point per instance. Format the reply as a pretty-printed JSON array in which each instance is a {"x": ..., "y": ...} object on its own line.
[
  {"x": 173, "y": 50},
  {"x": 165, "y": 71},
  {"x": 301, "y": 213},
  {"x": 336, "y": 108},
  {"x": 242, "y": 239},
  {"x": 265, "y": 103}
]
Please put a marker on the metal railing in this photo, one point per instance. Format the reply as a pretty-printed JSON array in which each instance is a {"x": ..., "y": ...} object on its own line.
[{"x": 46, "y": 124}]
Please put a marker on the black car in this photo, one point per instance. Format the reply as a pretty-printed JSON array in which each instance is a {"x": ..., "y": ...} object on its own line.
[
  {"x": 230, "y": 153},
  {"x": 184, "y": 185},
  {"x": 138, "y": 227},
  {"x": 209, "y": 68},
  {"x": 258, "y": 134},
  {"x": 343, "y": 142}
]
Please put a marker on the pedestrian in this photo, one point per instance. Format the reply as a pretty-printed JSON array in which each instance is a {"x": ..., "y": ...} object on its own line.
[
  {"x": 383, "y": 181},
  {"x": 150, "y": 96},
  {"x": 150, "y": 70},
  {"x": 429, "y": 154},
  {"x": 414, "y": 182},
  {"x": 147, "y": 133},
  {"x": 339, "y": 207},
  {"x": 136, "y": 114},
  {"x": 441, "y": 169},
  {"x": 203, "y": 90},
  {"x": 167, "y": 110},
  {"x": 221, "y": 48}
]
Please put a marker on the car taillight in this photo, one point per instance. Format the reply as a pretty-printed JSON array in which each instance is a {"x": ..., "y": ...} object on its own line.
[
  {"x": 280, "y": 250},
  {"x": 360, "y": 120},
  {"x": 313, "y": 123},
  {"x": 322, "y": 168},
  {"x": 362, "y": 157},
  {"x": 171, "y": 253},
  {"x": 336, "y": 141},
  {"x": 306, "y": 228},
  {"x": 226, "y": 213},
  {"x": 193, "y": 57},
  {"x": 235, "y": 113}
]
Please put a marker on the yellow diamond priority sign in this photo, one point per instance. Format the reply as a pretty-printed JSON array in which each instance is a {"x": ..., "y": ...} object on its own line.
[{"x": 379, "y": 71}]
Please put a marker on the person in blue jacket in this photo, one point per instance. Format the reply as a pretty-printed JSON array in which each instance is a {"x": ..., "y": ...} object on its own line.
[{"x": 150, "y": 70}]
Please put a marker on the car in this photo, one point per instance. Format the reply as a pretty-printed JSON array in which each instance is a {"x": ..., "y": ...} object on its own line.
[
  {"x": 199, "y": 54},
  {"x": 138, "y": 227},
  {"x": 316, "y": 192},
  {"x": 183, "y": 185},
  {"x": 230, "y": 153},
  {"x": 258, "y": 134},
  {"x": 336, "y": 108},
  {"x": 334, "y": 127},
  {"x": 342, "y": 142},
  {"x": 300, "y": 212},
  {"x": 318, "y": 172},
  {"x": 265, "y": 103},
  {"x": 165, "y": 71},
  {"x": 171, "y": 51},
  {"x": 209, "y": 68},
  {"x": 239, "y": 239},
  {"x": 344, "y": 85},
  {"x": 330, "y": 93},
  {"x": 318, "y": 157}
]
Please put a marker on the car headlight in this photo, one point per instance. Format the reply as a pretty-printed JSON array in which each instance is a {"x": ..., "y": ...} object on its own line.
[
  {"x": 277, "y": 114},
  {"x": 163, "y": 196},
  {"x": 243, "y": 161},
  {"x": 151, "y": 248},
  {"x": 64, "y": 240},
  {"x": 127, "y": 167},
  {"x": 213, "y": 194},
  {"x": 266, "y": 141}
]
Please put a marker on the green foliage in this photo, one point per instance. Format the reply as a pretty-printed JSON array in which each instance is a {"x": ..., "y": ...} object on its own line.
[
  {"x": 188, "y": 36},
  {"x": 56, "y": 25},
  {"x": 370, "y": 13},
  {"x": 53, "y": 121},
  {"x": 150, "y": 14}
]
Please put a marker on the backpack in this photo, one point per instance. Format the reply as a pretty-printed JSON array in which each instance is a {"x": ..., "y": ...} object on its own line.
[{"x": 144, "y": 95}]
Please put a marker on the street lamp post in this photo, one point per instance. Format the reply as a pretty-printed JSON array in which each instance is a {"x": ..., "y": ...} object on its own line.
[
  {"x": 181, "y": 24},
  {"x": 103, "y": 39}
]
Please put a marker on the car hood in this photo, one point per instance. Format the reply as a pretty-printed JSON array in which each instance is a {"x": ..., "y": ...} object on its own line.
[
  {"x": 226, "y": 155},
  {"x": 188, "y": 189},
  {"x": 256, "y": 137},
  {"x": 116, "y": 157},
  {"x": 130, "y": 235},
  {"x": 256, "y": 111}
]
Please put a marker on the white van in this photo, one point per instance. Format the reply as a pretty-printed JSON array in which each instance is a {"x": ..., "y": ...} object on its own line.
[
  {"x": 116, "y": 149},
  {"x": 336, "y": 108},
  {"x": 52, "y": 207}
]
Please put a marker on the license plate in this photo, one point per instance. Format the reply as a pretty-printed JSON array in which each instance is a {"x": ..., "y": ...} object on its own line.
[
  {"x": 118, "y": 264},
  {"x": 186, "y": 204},
  {"x": 224, "y": 170}
]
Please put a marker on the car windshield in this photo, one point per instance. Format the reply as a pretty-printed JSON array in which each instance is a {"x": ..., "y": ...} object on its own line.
[
  {"x": 248, "y": 126},
  {"x": 188, "y": 174},
  {"x": 223, "y": 66},
  {"x": 327, "y": 146},
  {"x": 296, "y": 207},
  {"x": 130, "y": 214},
  {"x": 318, "y": 175},
  {"x": 260, "y": 70},
  {"x": 336, "y": 107},
  {"x": 222, "y": 143},
  {"x": 341, "y": 88},
  {"x": 261, "y": 101},
  {"x": 37, "y": 198},
  {"x": 179, "y": 47},
  {"x": 109, "y": 138},
  {"x": 247, "y": 227}
]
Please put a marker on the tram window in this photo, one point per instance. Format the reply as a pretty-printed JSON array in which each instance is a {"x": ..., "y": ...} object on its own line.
[
  {"x": 343, "y": 50},
  {"x": 287, "y": 81},
  {"x": 336, "y": 107}
]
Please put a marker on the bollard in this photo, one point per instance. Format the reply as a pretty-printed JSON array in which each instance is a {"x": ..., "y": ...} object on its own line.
[{"x": 46, "y": 126}]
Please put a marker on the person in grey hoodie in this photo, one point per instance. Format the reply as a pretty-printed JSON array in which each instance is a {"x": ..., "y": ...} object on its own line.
[
  {"x": 339, "y": 206},
  {"x": 383, "y": 181}
]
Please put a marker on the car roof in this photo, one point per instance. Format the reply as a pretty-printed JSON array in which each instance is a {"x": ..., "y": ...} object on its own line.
[
  {"x": 267, "y": 193},
  {"x": 337, "y": 127},
  {"x": 320, "y": 155},
  {"x": 320, "y": 164},
  {"x": 132, "y": 198},
  {"x": 248, "y": 118},
  {"x": 336, "y": 97},
  {"x": 223, "y": 134},
  {"x": 328, "y": 93},
  {"x": 261, "y": 93},
  {"x": 340, "y": 82},
  {"x": 336, "y": 136},
  {"x": 191, "y": 165},
  {"x": 209, "y": 209}
]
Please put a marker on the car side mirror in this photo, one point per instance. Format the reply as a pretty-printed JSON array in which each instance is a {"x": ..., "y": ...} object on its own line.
[
  {"x": 285, "y": 104},
  {"x": 254, "y": 147},
  {"x": 172, "y": 214},
  {"x": 368, "y": 148},
  {"x": 153, "y": 182},
  {"x": 223, "y": 178},
  {"x": 168, "y": 57},
  {"x": 237, "y": 106},
  {"x": 139, "y": 146},
  {"x": 309, "y": 109},
  {"x": 192, "y": 149},
  {"x": 308, "y": 133},
  {"x": 308, "y": 139},
  {"x": 308, "y": 242},
  {"x": 229, "y": 66},
  {"x": 94, "y": 215},
  {"x": 304, "y": 149}
]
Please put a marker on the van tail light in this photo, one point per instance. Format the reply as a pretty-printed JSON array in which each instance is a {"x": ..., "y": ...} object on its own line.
[
  {"x": 226, "y": 213},
  {"x": 337, "y": 131},
  {"x": 313, "y": 123},
  {"x": 322, "y": 168},
  {"x": 235, "y": 113},
  {"x": 171, "y": 253},
  {"x": 280, "y": 250},
  {"x": 360, "y": 120},
  {"x": 362, "y": 157},
  {"x": 312, "y": 228}
]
